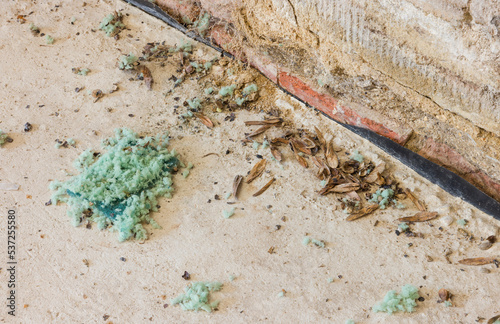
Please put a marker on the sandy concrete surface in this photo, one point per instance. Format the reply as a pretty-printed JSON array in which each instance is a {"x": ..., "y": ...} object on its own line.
[{"x": 71, "y": 274}]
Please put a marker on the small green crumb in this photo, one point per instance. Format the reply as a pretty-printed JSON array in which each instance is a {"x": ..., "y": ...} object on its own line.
[
  {"x": 448, "y": 303},
  {"x": 49, "y": 39},
  {"x": 209, "y": 90},
  {"x": 112, "y": 24},
  {"x": 183, "y": 46},
  {"x": 34, "y": 28},
  {"x": 189, "y": 166},
  {"x": 194, "y": 104},
  {"x": 281, "y": 294},
  {"x": 462, "y": 222},
  {"x": 83, "y": 71},
  {"x": 185, "y": 173},
  {"x": 329, "y": 280},
  {"x": 208, "y": 65},
  {"x": 404, "y": 302},
  {"x": 398, "y": 204},
  {"x": 265, "y": 144},
  {"x": 320, "y": 82},
  {"x": 255, "y": 145},
  {"x": 306, "y": 240},
  {"x": 73, "y": 19},
  {"x": 227, "y": 196},
  {"x": 323, "y": 183},
  {"x": 228, "y": 213},
  {"x": 70, "y": 141},
  {"x": 232, "y": 277},
  {"x": 240, "y": 101},
  {"x": 196, "y": 296},
  {"x": 249, "y": 89},
  {"x": 3, "y": 137},
  {"x": 127, "y": 62},
  {"x": 382, "y": 197},
  {"x": 357, "y": 157},
  {"x": 497, "y": 321},
  {"x": 350, "y": 321},
  {"x": 227, "y": 91},
  {"x": 403, "y": 227},
  {"x": 202, "y": 23}
]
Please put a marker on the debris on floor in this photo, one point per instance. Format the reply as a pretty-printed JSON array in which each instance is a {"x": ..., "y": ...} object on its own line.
[
  {"x": 394, "y": 302},
  {"x": 120, "y": 187},
  {"x": 197, "y": 296}
]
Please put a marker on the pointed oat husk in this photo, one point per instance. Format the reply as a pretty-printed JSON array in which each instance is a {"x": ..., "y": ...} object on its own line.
[
  {"x": 415, "y": 201},
  {"x": 279, "y": 140},
  {"x": 146, "y": 74},
  {"x": 236, "y": 185},
  {"x": 341, "y": 188},
  {"x": 444, "y": 294},
  {"x": 321, "y": 138},
  {"x": 478, "y": 261},
  {"x": 276, "y": 153},
  {"x": 257, "y": 170},
  {"x": 419, "y": 217},
  {"x": 204, "y": 119},
  {"x": 299, "y": 158},
  {"x": 373, "y": 176},
  {"x": 300, "y": 146},
  {"x": 345, "y": 187},
  {"x": 263, "y": 189},
  {"x": 331, "y": 157},
  {"x": 271, "y": 121},
  {"x": 362, "y": 212},
  {"x": 259, "y": 131}
]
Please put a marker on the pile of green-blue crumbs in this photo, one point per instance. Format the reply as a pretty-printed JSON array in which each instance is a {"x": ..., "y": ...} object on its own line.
[
  {"x": 394, "y": 302},
  {"x": 196, "y": 296},
  {"x": 118, "y": 189}
]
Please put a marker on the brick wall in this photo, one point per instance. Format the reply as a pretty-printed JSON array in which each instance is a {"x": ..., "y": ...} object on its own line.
[{"x": 425, "y": 73}]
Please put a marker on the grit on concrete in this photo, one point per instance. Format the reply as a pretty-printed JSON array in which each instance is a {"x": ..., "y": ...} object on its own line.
[{"x": 76, "y": 275}]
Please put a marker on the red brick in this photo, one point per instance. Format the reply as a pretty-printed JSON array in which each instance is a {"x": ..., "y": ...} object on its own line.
[
  {"x": 263, "y": 64},
  {"x": 336, "y": 110},
  {"x": 447, "y": 157},
  {"x": 179, "y": 9}
]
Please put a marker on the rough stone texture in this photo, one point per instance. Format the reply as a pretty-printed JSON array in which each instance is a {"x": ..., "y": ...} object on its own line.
[{"x": 431, "y": 67}]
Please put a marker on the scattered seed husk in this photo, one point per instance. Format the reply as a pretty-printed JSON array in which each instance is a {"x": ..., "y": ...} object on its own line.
[
  {"x": 321, "y": 138},
  {"x": 97, "y": 94},
  {"x": 236, "y": 185},
  {"x": 345, "y": 187},
  {"x": 204, "y": 119},
  {"x": 146, "y": 74},
  {"x": 478, "y": 261},
  {"x": 263, "y": 189},
  {"x": 419, "y": 217},
  {"x": 279, "y": 140},
  {"x": 493, "y": 319},
  {"x": 362, "y": 212},
  {"x": 415, "y": 201},
  {"x": 276, "y": 153},
  {"x": 300, "y": 146},
  {"x": 271, "y": 121},
  {"x": 331, "y": 157},
  {"x": 492, "y": 239},
  {"x": 259, "y": 131},
  {"x": 302, "y": 161},
  {"x": 373, "y": 176},
  {"x": 257, "y": 170},
  {"x": 485, "y": 245},
  {"x": 208, "y": 154},
  {"x": 444, "y": 295}
]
